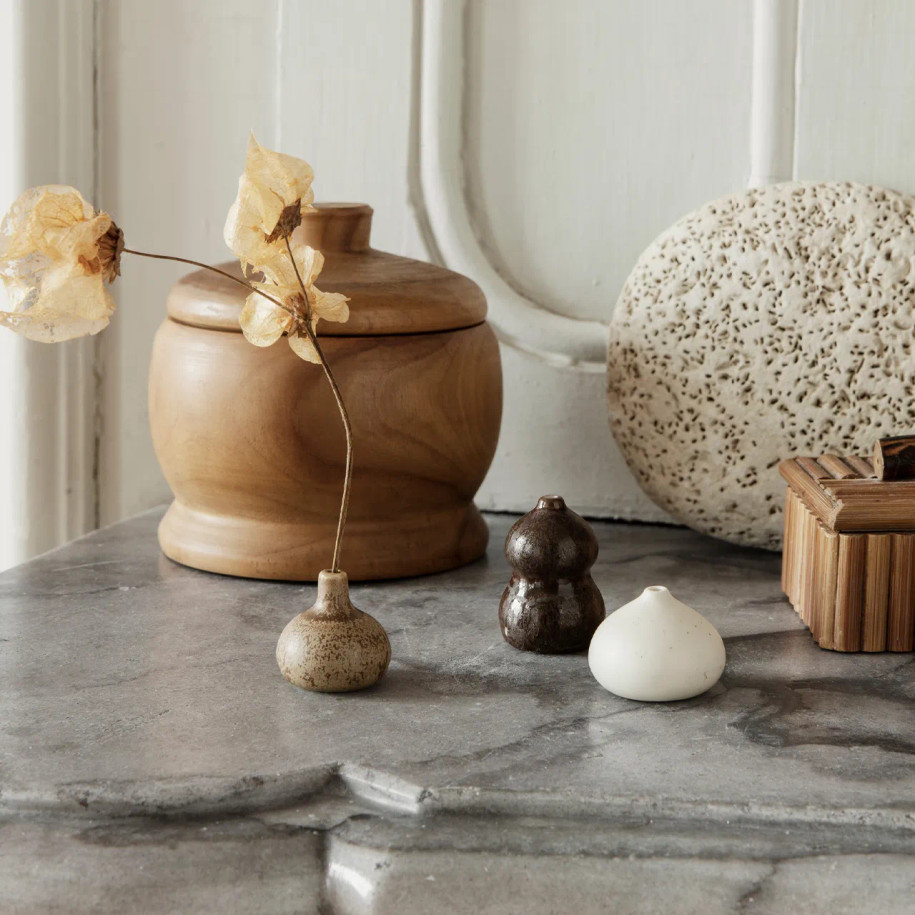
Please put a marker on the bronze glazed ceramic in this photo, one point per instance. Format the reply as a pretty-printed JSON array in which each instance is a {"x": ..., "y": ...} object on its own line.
[
  {"x": 250, "y": 439},
  {"x": 333, "y": 647},
  {"x": 551, "y": 604}
]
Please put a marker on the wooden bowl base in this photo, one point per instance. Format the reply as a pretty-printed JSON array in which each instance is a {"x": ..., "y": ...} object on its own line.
[{"x": 297, "y": 551}]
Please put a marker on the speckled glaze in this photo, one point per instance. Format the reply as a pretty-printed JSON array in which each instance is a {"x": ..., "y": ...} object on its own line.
[
  {"x": 551, "y": 604},
  {"x": 332, "y": 647}
]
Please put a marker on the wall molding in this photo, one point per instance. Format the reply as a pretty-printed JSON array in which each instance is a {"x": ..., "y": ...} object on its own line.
[
  {"x": 519, "y": 322},
  {"x": 773, "y": 105},
  {"x": 51, "y": 420},
  {"x": 441, "y": 199}
]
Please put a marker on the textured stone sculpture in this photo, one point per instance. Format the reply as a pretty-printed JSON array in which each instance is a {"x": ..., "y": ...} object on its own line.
[{"x": 775, "y": 322}]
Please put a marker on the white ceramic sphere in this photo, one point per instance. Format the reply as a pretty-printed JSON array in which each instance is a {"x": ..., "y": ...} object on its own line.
[
  {"x": 656, "y": 649},
  {"x": 773, "y": 323}
]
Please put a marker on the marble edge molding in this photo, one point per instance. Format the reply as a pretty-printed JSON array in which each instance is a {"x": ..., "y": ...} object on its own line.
[
  {"x": 386, "y": 793},
  {"x": 200, "y": 796}
]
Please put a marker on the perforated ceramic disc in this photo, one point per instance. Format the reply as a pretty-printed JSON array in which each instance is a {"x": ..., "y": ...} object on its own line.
[{"x": 773, "y": 323}]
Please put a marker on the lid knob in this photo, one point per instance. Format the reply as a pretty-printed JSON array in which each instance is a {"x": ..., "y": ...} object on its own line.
[
  {"x": 338, "y": 227},
  {"x": 894, "y": 458}
]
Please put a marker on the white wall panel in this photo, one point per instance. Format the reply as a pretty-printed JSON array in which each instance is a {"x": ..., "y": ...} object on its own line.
[
  {"x": 591, "y": 126},
  {"x": 47, "y": 408},
  {"x": 345, "y": 106},
  {"x": 856, "y": 92},
  {"x": 182, "y": 85},
  {"x": 555, "y": 439}
]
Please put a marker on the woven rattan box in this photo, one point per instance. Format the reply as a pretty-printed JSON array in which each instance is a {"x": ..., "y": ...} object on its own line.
[{"x": 848, "y": 562}]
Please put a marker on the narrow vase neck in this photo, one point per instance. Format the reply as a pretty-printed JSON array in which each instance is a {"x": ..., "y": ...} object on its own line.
[
  {"x": 333, "y": 596},
  {"x": 338, "y": 227}
]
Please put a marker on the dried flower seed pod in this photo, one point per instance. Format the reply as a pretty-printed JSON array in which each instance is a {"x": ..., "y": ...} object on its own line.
[{"x": 56, "y": 252}]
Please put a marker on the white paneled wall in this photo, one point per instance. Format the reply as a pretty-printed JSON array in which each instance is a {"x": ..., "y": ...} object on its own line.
[
  {"x": 538, "y": 145},
  {"x": 856, "y": 92},
  {"x": 181, "y": 85},
  {"x": 47, "y": 394},
  {"x": 590, "y": 130}
]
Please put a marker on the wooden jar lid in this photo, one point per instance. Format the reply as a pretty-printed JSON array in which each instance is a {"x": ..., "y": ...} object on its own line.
[
  {"x": 859, "y": 493},
  {"x": 388, "y": 294}
]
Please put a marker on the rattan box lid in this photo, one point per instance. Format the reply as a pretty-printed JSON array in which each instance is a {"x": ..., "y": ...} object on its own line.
[{"x": 859, "y": 493}]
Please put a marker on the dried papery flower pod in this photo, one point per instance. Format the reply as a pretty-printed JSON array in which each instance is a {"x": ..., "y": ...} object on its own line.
[
  {"x": 264, "y": 322},
  {"x": 110, "y": 247},
  {"x": 56, "y": 252},
  {"x": 273, "y": 193}
]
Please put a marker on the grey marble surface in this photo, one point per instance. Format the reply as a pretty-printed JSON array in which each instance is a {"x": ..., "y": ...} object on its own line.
[{"x": 151, "y": 755}]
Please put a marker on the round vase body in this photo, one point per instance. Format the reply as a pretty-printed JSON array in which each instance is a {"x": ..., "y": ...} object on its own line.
[
  {"x": 332, "y": 647},
  {"x": 551, "y": 604},
  {"x": 656, "y": 649},
  {"x": 252, "y": 445}
]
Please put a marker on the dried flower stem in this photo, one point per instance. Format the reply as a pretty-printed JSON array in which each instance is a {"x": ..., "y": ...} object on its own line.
[
  {"x": 228, "y": 276},
  {"x": 347, "y": 427}
]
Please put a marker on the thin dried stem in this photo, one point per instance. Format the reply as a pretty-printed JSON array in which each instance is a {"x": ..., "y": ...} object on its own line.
[
  {"x": 228, "y": 276},
  {"x": 348, "y": 429}
]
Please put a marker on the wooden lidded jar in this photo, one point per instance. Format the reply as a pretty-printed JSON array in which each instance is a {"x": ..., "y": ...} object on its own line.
[
  {"x": 252, "y": 445},
  {"x": 848, "y": 563}
]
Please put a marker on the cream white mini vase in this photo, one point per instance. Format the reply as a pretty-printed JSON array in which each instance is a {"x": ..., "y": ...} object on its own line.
[{"x": 656, "y": 649}]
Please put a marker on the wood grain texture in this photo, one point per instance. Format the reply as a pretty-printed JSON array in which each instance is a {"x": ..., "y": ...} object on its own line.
[
  {"x": 817, "y": 559},
  {"x": 813, "y": 468},
  {"x": 800, "y": 480},
  {"x": 850, "y": 592},
  {"x": 851, "y": 503},
  {"x": 828, "y": 568},
  {"x": 836, "y": 467},
  {"x": 872, "y": 505},
  {"x": 797, "y": 546},
  {"x": 876, "y": 592},
  {"x": 901, "y": 616},
  {"x": 854, "y": 591},
  {"x": 861, "y": 465},
  {"x": 808, "y": 567},
  {"x": 252, "y": 446},
  {"x": 788, "y": 552}
]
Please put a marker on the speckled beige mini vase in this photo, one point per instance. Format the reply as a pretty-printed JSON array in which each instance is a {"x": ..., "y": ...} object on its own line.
[{"x": 332, "y": 647}]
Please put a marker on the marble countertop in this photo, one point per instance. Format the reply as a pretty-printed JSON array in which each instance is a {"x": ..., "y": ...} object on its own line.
[{"x": 151, "y": 754}]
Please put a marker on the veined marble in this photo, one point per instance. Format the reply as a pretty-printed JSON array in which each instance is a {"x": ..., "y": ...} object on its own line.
[{"x": 151, "y": 755}]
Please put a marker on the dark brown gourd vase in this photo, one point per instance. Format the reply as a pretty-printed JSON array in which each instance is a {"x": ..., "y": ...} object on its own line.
[{"x": 551, "y": 604}]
